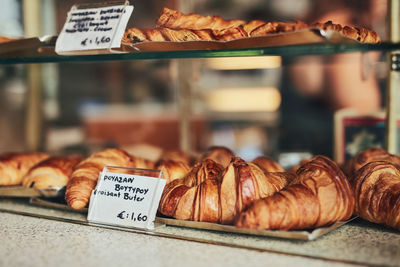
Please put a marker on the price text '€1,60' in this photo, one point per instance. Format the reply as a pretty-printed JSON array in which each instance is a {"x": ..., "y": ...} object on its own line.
[{"x": 132, "y": 216}]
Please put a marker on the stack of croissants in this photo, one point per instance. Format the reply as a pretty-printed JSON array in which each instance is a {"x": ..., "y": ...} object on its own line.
[
  {"x": 175, "y": 26},
  {"x": 219, "y": 187}
]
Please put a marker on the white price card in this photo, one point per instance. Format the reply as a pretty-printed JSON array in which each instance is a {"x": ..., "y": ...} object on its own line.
[
  {"x": 125, "y": 199},
  {"x": 99, "y": 28}
]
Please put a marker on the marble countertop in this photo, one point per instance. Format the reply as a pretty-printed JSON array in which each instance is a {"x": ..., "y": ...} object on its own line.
[{"x": 36, "y": 236}]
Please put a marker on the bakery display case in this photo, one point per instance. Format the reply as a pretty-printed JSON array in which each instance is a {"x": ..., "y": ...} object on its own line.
[{"x": 231, "y": 226}]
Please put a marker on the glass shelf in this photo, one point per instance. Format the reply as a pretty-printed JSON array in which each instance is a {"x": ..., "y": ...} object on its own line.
[{"x": 288, "y": 50}]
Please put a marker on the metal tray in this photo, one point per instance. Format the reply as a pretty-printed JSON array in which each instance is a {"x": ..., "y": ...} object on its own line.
[{"x": 296, "y": 235}]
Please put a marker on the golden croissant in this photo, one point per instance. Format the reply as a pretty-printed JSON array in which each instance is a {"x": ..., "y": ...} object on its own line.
[
  {"x": 220, "y": 154},
  {"x": 320, "y": 195},
  {"x": 367, "y": 156},
  {"x": 13, "y": 166},
  {"x": 212, "y": 194},
  {"x": 267, "y": 164},
  {"x": 84, "y": 178},
  {"x": 52, "y": 172},
  {"x": 172, "y": 170},
  {"x": 377, "y": 192}
]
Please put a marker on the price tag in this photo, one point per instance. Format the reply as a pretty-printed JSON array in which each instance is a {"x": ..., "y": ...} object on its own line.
[
  {"x": 93, "y": 29},
  {"x": 126, "y": 197}
]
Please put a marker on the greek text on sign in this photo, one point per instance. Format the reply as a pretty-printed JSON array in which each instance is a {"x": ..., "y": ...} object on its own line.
[
  {"x": 93, "y": 28},
  {"x": 129, "y": 200}
]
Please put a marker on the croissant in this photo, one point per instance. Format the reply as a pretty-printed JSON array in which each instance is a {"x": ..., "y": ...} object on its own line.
[
  {"x": 218, "y": 196},
  {"x": 136, "y": 35},
  {"x": 267, "y": 164},
  {"x": 172, "y": 170},
  {"x": 366, "y": 156},
  {"x": 377, "y": 192},
  {"x": 360, "y": 34},
  {"x": 177, "y": 155},
  {"x": 319, "y": 195},
  {"x": 52, "y": 172},
  {"x": 177, "y": 20},
  {"x": 260, "y": 28},
  {"x": 219, "y": 154},
  {"x": 13, "y": 166},
  {"x": 85, "y": 175}
]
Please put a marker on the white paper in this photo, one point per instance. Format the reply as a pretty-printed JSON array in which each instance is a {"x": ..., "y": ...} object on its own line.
[
  {"x": 93, "y": 29},
  {"x": 125, "y": 200}
]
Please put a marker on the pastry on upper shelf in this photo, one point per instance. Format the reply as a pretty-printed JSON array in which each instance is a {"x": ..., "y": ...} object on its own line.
[
  {"x": 360, "y": 34},
  {"x": 85, "y": 175},
  {"x": 172, "y": 170},
  {"x": 175, "y": 19},
  {"x": 220, "y": 154},
  {"x": 377, "y": 192},
  {"x": 136, "y": 35},
  {"x": 320, "y": 195},
  {"x": 211, "y": 194},
  {"x": 260, "y": 28},
  {"x": 52, "y": 172},
  {"x": 13, "y": 166},
  {"x": 369, "y": 155},
  {"x": 267, "y": 164}
]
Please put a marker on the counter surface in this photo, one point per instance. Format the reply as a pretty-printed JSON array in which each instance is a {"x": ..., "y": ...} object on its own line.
[{"x": 54, "y": 241}]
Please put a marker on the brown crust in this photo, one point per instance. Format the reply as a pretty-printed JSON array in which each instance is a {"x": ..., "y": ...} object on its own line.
[
  {"x": 52, "y": 172},
  {"x": 377, "y": 191},
  {"x": 318, "y": 196},
  {"x": 85, "y": 175},
  {"x": 210, "y": 194},
  {"x": 13, "y": 166}
]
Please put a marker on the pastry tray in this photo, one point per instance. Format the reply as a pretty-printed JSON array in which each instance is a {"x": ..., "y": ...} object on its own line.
[
  {"x": 309, "y": 36},
  {"x": 45, "y": 46},
  {"x": 296, "y": 235},
  {"x": 22, "y": 191}
]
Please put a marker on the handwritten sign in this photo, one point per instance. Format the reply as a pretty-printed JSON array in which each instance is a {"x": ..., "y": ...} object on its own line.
[
  {"x": 93, "y": 29},
  {"x": 129, "y": 200}
]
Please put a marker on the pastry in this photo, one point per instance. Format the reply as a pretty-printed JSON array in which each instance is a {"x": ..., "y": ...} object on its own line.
[
  {"x": 267, "y": 164},
  {"x": 85, "y": 175},
  {"x": 52, "y": 172},
  {"x": 174, "y": 19},
  {"x": 361, "y": 34},
  {"x": 366, "y": 156},
  {"x": 172, "y": 170},
  {"x": 212, "y": 194},
  {"x": 377, "y": 192},
  {"x": 319, "y": 195},
  {"x": 177, "y": 155},
  {"x": 220, "y": 154},
  {"x": 13, "y": 166},
  {"x": 136, "y": 35}
]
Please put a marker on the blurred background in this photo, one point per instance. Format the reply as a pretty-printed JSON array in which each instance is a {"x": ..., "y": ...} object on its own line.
[{"x": 268, "y": 105}]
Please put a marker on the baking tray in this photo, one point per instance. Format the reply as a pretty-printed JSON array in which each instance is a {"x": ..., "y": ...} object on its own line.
[
  {"x": 296, "y": 235},
  {"x": 309, "y": 36},
  {"x": 22, "y": 191},
  {"x": 28, "y": 47}
]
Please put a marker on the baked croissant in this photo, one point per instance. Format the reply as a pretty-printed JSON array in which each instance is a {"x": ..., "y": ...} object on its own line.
[
  {"x": 219, "y": 154},
  {"x": 52, "y": 172},
  {"x": 377, "y": 192},
  {"x": 320, "y": 195},
  {"x": 177, "y": 155},
  {"x": 360, "y": 34},
  {"x": 366, "y": 156},
  {"x": 220, "y": 196},
  {"x": 84, "y": 178},
  {"x": 136, "y": 35},
  {"x": 174, "y": 19},
  {"x": 267, "y": 164},
  {"x": 172, "y": 170},
  {"x": 13, "y": 166}
]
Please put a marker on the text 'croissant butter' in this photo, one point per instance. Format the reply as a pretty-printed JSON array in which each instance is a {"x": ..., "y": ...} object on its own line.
[{"x": 128, "y": 200}]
